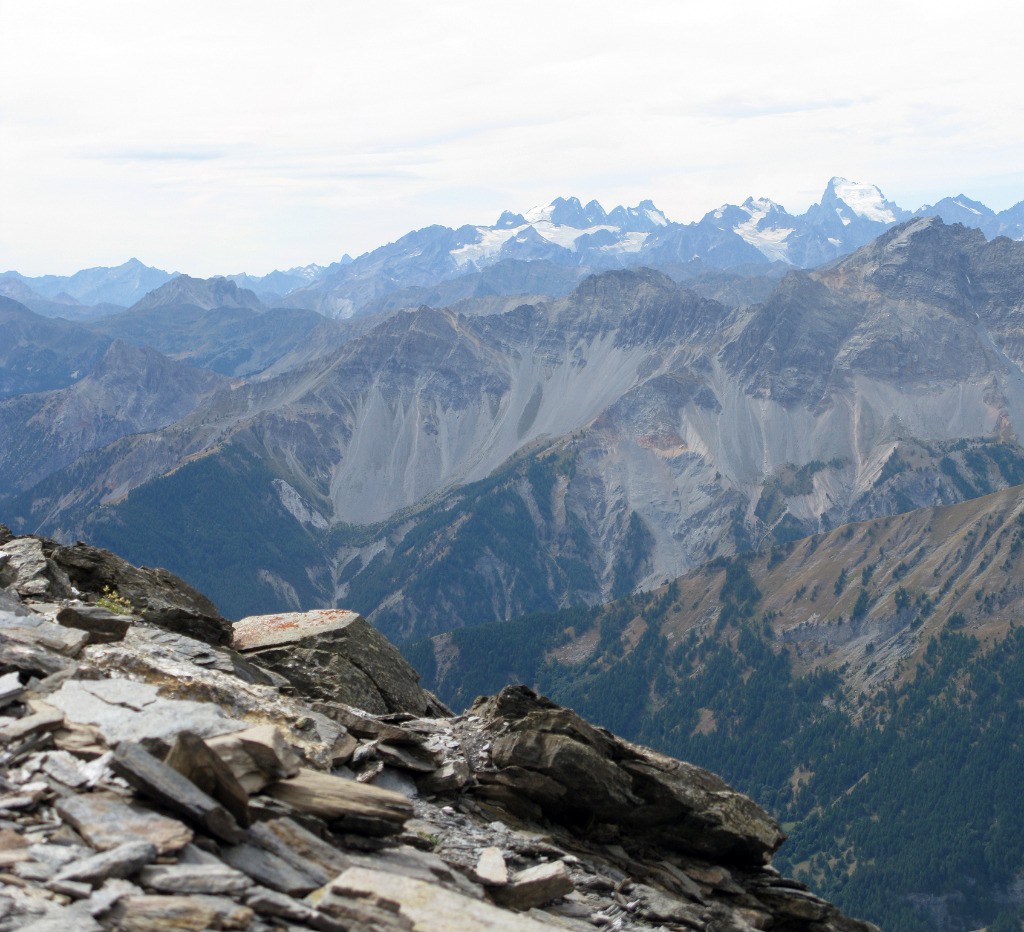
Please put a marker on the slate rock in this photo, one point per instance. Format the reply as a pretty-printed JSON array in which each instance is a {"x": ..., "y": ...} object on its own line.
[
  {"x": 127, "y": 710},
  {"x": 122, "y": 861},
  {"x": 450, "y": 777},
  {"x": 156, "y": 913},
  {"x": 534, "y": 886},
  {"x": 491, "y": 869},
  {"x": 268, "y": 869},
  {"x": 106, "y": 822},
  {"x": 28, "y": 571},
  {"x": 67, "y": 919},
  {"x": 279, "y": 905},
  {"x": 365, "y": 808},
  {"x": 651, "y": 797},
  {"x": 47, "y": 719},
  {"x": 29, "y": 657},
  {"x": 256, "y": 756},
  {"x": 160, "y": 597},
  {"x": 429, "y": 907},
  {"x": 194, "y": 878},
  {"x": 300, "y": 848},
  {"x": 190, "y": 756},
  {"x": 155, "y": 780}
]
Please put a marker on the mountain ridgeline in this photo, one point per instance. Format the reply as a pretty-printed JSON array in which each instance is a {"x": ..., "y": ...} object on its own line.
[
  {"x": 443, "y": 469},
  {"x": 544, "y": 251}
]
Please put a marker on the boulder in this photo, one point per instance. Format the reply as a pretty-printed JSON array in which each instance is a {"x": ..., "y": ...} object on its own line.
[
  {"x": 158, "y": 596},
  {"x": 580, "y": 775},
  {"x": 27, "y": 570},
  {"x": 333, "y": 655}
]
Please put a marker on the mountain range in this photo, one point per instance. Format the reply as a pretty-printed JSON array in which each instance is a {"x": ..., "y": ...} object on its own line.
[
  {"x": 633, "y": 428},
  {"x": 438, "y": 265},
  {"x": 758, "y": 514}
]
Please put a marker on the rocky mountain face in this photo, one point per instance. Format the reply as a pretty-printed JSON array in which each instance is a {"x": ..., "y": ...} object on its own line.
[
  {"x": 155, "y": 777},
  {"x": 214, "y": 324},
  {"x": 129, "y": 391},
  {"x": 864, "y": 684},
  {"x": 576, "y": 449},
  {"x": 38, "y": 353}
]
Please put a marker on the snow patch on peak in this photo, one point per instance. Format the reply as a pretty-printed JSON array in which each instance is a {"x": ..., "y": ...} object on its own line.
[
  {"x": 487, "y": 245},
  {"x": 865, "y": 200},
  {"x": 539, "y": 214}
]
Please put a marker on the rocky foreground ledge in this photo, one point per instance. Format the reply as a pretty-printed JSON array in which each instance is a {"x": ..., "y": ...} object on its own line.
[{"x": 152, "y": 777}]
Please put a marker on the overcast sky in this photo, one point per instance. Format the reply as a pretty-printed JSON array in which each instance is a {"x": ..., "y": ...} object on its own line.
[{"x": 219, "y": 137}]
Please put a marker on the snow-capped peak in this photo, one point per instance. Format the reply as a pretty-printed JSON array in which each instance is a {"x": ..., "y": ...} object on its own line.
[
  {"x": 760, "y": 207},
  {"x": 768, "y": 228},
  {"x": 863, "y": 200}
]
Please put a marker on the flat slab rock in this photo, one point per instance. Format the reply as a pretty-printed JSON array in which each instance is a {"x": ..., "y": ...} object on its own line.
[
  {"x": 258, "y": 631},
  {"x": 126, "y": 710},
  {"x": 122, "y": 861},
  {"x": 106, "y": 822},
  {"x": 197, "y": 912},
  {"x": 334, "y": 655},
  {"x": 429, "y": 907}
]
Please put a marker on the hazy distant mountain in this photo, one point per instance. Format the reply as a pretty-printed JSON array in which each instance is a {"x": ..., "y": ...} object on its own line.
[
  {"x": 211, "y": 323},
  {"x": 567, "y": 234},
  {"x": 205, "y": 293},
  {"x": 270, "y": 288},
  {"x": 128, "y": 391},
  {"x": 572, "y": 235},
  {"x": 122, "y": 285}
]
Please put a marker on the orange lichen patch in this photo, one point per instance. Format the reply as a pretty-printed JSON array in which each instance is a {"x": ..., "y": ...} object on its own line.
[{"x": 267, "y": 630}]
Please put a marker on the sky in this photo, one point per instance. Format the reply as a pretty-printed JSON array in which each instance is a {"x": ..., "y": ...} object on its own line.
[{"x": 222, "y": 137}]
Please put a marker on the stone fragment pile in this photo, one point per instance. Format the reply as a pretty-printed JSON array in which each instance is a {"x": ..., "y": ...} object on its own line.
[{"x": 162, "y": 769}]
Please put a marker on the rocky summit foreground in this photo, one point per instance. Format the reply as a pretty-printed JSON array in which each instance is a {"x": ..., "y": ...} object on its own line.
[{"x": 153, "y": 777}]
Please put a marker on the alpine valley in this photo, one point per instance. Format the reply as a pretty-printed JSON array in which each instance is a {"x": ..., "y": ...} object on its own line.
[{"x": 749, "y": 490}]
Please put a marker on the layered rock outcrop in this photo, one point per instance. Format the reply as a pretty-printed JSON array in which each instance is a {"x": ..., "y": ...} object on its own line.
[
  {"x": 335, "y": 655},
  {"x": 150, "y": 779}
]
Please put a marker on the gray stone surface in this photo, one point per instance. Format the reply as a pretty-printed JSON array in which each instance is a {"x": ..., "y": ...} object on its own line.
[
  {"x": 122, "y": 861},
  {"x": 106, "y": 822},
  {"x": 101, "y": 624},
  {"x": 429, "y": 907},
  {"x": 194, "y": 878},
  {"x": 266, "y": 868},
  {"x": 126, "y": 710},
  {"x": 336, "y": 656}
]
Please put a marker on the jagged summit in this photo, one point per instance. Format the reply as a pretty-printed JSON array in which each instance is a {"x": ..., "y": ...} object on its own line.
[{"x": 203, "y": 293}]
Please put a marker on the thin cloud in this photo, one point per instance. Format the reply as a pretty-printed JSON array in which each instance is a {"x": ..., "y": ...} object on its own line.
[{"x": 157, "y": 155}]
